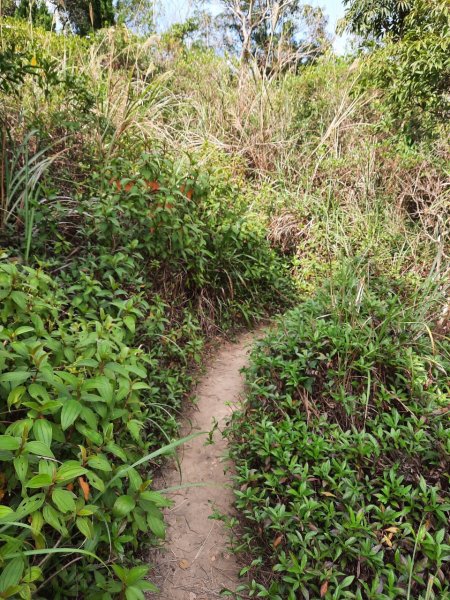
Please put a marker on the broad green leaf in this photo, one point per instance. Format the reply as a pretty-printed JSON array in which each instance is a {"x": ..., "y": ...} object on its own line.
[
  {"x": 37, "y": 522},
  {"x": 5, "y": 511},
  {"x": 130, "y": 322},
  {"x": 8, "y": 442},
  {"x": 85, "y": 526},
  {"x": 43, "y": 432},
  {"x": 20, "y": 299},
  {"x": 155, "y": 498},
  {"x": 51, "y": 517},
  {"x": 116, "y": 450},
  {"x": 70, "y": 412},
  {"x": 39, "y": 448},
  {"x": 136, "y": 573},
  {"x": 102, "y": 385},
  {"x": 11, "y": 573},
  {"x": 123, "y": 505},
  {"x": 32, "y": 574},
  {"x": 140, "y": 385},
  {"x": 21, "y": 467},
  {"x": 134, "y": 593},
  {"x": 69, "y": 470},
  {"x": 39, "y": 481},
  {"x": 15, "y": 395},
  {"x": 23, "y": 329},
  {"x": 121, "y": 572},
  {"x": 157, "y": 526},
  {"x": 38, "y": 392},
  {"x": 134, "y": 427},
  {"x": 93, "y": 436},
  {"x": 99, "y": 462},
  {"x": 30, "y": 505},
  {"x": 15, "y": 378},
  {"x": 64, "y": 500},
  {"x": 95, "y": 481}
]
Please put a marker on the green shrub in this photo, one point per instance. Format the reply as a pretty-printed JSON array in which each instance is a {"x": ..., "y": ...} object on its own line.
[
  {"x": 414, "y": 72},
  {"x": 148, "y": 220},
  {"x": 80, "y": 405},
  {"x": 342, "y": 449}
]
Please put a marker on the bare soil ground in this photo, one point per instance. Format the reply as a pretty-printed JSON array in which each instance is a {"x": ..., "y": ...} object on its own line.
[{"x": 195, "y": 562}]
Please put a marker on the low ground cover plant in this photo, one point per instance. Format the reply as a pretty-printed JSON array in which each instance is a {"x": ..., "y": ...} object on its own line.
[{"x": 342, "y": 448}]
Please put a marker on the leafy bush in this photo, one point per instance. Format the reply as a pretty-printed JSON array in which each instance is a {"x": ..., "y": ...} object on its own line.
[
  {"x": 342, "y": 449},
  {"x": 79, "y": 406},
  {"x": 414, "y": 72},
  {"x": 155, "y": 225}
]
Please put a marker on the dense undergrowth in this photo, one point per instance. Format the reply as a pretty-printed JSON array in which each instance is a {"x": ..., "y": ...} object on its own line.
[
  {"x": 153, "y": 195},
  {"x": 120, "y": 256},
  {"x": 342, "y": 448}
]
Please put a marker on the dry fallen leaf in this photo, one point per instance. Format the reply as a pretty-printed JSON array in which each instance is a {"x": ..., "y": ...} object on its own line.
[
  {"x": 183, "y": 564},
  {"x": 277, "y": 541},
  {"x": 323, "y": 589}
]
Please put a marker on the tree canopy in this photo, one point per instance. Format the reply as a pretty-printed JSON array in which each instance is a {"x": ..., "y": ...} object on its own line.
[{"x": 377, "y": 18}]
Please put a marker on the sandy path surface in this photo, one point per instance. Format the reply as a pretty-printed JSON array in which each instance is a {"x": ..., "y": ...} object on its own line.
[{"x": 195, "y": 563}]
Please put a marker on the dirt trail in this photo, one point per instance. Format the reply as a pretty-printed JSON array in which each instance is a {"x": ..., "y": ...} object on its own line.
[{"x": 195, "y": 563}]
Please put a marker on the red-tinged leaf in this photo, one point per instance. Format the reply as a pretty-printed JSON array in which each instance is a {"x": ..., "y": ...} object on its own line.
[
  {"x": 152, "y": 186},
  {"x": 323, "y": 589}
]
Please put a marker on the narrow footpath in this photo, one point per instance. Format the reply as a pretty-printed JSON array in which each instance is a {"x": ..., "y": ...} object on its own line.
[{"x": 195, "y": 562}]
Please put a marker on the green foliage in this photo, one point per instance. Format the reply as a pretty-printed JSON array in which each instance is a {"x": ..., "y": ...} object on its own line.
[
  {"x": 341, "y": 448},
  {"x": 414, "y": 73},
  {"x": 96, "y": 360},
  {"x": 36, "y": 12},
  {"x": 162, "y": 215},
  {"x": 85, "y": 16},
  {"x": 142, "y": 186},
  {"x": 178, "y": 33},
  {"x": 81, "y": 405},
  {"x": 14, "y": 66},
  {"x": 375, "y": 19}
]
